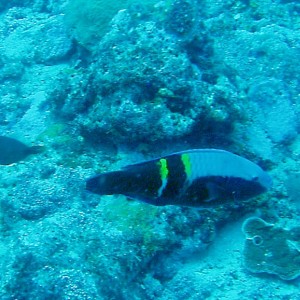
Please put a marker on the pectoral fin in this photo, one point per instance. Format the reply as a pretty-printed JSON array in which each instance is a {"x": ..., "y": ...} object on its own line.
[{"x": 214, "y": 192}]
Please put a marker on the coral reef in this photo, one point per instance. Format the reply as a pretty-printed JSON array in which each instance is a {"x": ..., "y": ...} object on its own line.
[
  {"x": 271, "y": 249},
  {"x": 128, "y": 104},
  {"x": 182, "y": 18},
  {"x": 45, "y": 6},
  {"x": 90, "y": 20},
  {"x": 149, "y": 80}
]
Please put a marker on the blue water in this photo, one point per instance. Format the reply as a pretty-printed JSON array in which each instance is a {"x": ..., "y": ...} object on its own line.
[{"x": 101, "y": 85}]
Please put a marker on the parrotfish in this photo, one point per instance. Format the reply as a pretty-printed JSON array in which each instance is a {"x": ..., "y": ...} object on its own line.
[
  {"x": 194, "y": 178},
  {"x": 12, "y": 150}
]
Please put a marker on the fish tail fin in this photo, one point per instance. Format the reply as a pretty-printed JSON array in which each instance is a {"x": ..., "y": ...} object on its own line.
[
  {"x": 36, "y": 149},
  {"x": 106, "y": 183}
]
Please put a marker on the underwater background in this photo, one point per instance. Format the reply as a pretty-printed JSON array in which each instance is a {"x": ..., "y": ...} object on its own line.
[{"x": 102, "y": 84}]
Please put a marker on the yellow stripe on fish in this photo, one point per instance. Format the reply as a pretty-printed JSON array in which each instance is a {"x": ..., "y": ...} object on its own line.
[
  {"x": 164, "y": 172},
  {"x": 185, "y": 158}
]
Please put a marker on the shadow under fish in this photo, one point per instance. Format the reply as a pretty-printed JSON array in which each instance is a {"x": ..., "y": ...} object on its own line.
[
  {"x": 12, "y": 150},
  {"x": 195, "y": 178}
]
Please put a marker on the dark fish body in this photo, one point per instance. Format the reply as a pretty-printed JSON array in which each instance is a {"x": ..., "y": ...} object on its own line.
[
  {"x": 196, "y": 178},
  {"x": 12, "y": 150}
]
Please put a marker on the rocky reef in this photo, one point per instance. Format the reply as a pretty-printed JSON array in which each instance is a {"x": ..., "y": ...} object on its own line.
[{"x": 154, "y": 78}]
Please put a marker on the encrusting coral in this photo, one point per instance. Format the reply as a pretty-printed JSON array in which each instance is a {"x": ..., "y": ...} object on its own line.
[{"x": 271, "y": 249}]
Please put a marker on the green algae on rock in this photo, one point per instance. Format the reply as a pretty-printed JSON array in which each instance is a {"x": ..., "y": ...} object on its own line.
[{"x": 271, "y": 249}]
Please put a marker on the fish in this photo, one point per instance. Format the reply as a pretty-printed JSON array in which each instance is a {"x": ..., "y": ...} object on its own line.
[
  {"x": 192, "y": 178},
  {"x": 12, "y": 150}
]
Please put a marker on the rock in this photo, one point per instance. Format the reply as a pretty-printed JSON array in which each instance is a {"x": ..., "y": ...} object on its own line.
[{"x": 28, "y": 37}]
